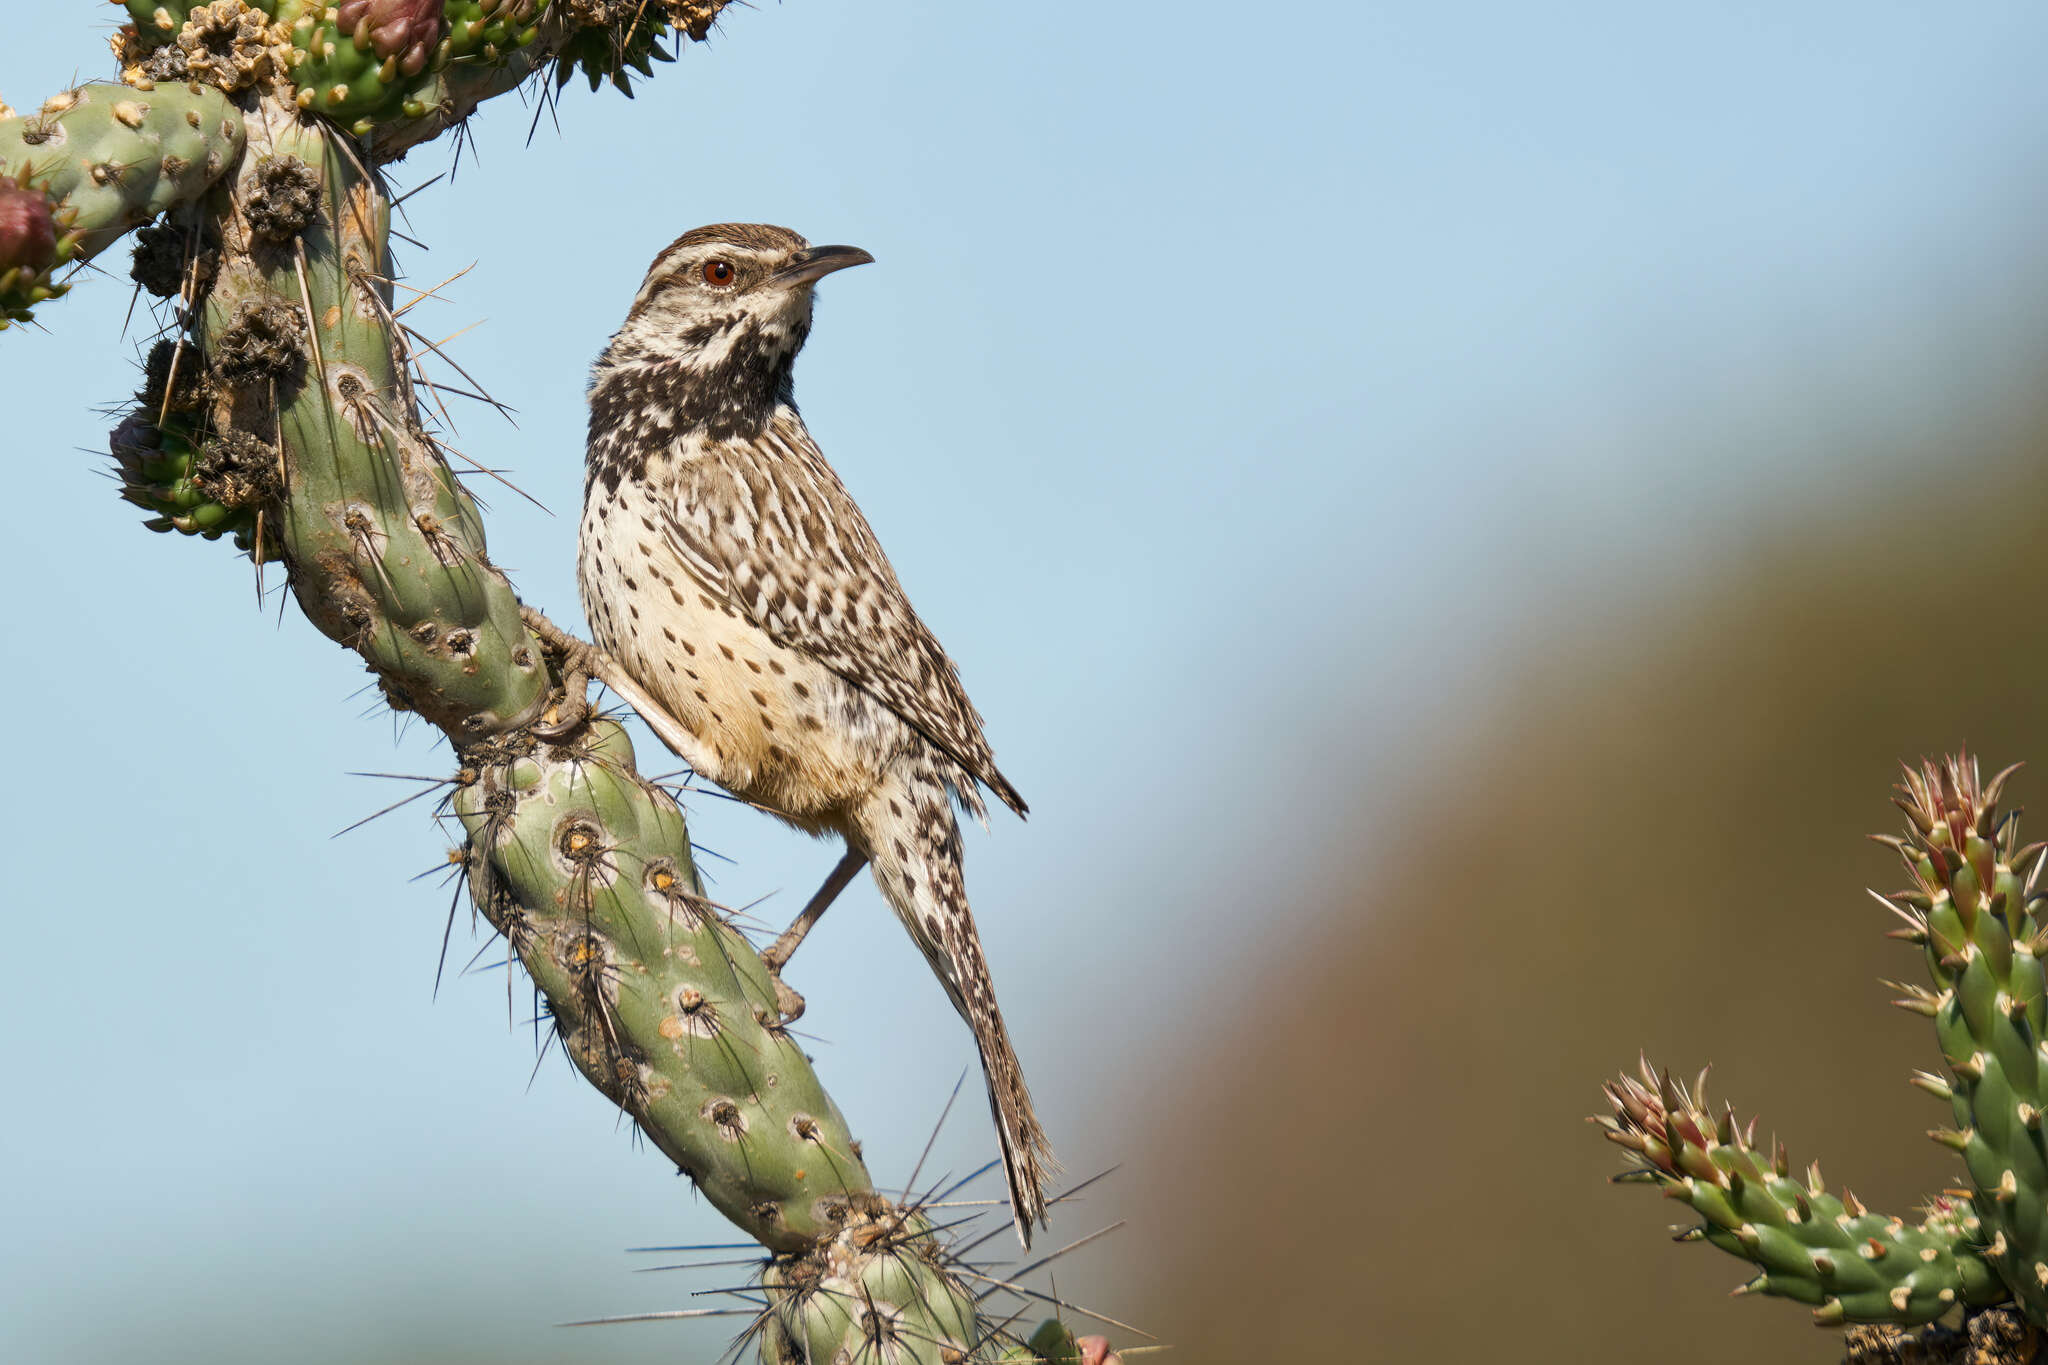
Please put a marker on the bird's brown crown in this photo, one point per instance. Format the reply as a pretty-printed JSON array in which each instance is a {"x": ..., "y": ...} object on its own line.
[{"x": 763, "y": 237}]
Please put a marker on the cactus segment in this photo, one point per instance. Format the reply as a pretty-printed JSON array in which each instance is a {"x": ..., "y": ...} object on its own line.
[
  {"x": 386, "y": 548},
  {"x": 1811, "y": 1246},
  {"x": 880, "y": 1290},
  {"x": 585, "y": 868},
  {"x": 1983, "y": 946},
  {"x": 106, "y": 159}
]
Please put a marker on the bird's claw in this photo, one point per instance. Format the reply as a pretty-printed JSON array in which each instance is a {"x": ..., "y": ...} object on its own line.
[
  {"x": 562, "y": 718},
  {"x": 788, "y": 1004}
]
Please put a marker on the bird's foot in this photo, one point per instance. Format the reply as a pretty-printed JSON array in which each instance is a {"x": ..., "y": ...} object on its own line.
[
  {"x": 788, "y": 1003},
  {"x": 562, "y": 718}
]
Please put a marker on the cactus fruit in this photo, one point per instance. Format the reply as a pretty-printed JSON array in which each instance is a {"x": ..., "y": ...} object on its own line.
[
  {"x": 107, "y": 158},
  {"x": 285, "y": 199},
  {"x": 209, "y": 490},
  {"x": 32, "y": 242},
  {"x": 1808, "y": 1245},
  {"x": 171, "y": 259},
  {"x": 233, "y": 45},
  {"x": 28, "y": 228},
  {"x": 402, "y": 32},
  {"x": 371, "y": 61}
]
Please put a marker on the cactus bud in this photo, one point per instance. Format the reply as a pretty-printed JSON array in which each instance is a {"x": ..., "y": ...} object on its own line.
[{"x": 28, "y": 228}]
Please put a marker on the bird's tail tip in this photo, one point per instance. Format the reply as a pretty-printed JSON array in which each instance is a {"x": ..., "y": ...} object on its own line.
[{"x": 1028, "y": 1165}]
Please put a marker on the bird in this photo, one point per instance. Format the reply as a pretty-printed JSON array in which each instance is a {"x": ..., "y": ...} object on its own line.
[{"x": 728, "y": 573}]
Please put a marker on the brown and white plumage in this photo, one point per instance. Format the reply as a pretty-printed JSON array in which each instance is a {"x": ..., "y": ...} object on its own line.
[{"x": 727, "y": 569}]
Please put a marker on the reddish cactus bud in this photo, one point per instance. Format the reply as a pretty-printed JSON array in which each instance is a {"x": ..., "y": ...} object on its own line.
[
  {"x": 403, "y": 29},
  {"x": 28, "y": 228}
]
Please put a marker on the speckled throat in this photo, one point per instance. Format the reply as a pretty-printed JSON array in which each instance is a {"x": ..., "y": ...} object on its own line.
[{"x": 647, "y": 394}]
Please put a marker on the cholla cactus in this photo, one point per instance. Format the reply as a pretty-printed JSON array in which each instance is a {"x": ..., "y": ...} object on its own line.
[
  {"x": 1969, "y": 909},
  {"x": 244, "y": 137}
]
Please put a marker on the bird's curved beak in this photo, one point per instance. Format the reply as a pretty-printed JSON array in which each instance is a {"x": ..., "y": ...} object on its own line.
[{"x": 816, "y": 262}]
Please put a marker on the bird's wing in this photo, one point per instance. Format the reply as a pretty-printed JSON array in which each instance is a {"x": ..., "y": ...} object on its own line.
[{"x": 766, "y": 524}]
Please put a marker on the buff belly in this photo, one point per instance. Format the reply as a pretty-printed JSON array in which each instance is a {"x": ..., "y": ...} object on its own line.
[{"x": 768, "y": 720}]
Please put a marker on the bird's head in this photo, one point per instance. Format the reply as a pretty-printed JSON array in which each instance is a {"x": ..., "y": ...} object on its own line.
[{"x": 729, "y": 293}]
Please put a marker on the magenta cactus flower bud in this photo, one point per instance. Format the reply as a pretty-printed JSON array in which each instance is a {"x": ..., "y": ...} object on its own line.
[
  {"x": 28, "y": 228},
  {"x": 404, "y": 29}
]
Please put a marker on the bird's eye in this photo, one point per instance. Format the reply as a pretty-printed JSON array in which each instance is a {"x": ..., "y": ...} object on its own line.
[{"x": 718, "y": 272}]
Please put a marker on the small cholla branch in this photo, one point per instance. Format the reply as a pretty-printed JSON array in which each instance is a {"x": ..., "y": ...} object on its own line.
[
  {"x": 1969, "y": 908},
  {"x": 92, "y": 165},
  {"x": 1807, "y": 1244}
]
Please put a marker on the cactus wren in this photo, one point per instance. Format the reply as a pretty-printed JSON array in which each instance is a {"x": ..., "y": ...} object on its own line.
[{"x": 729, "y": 574}]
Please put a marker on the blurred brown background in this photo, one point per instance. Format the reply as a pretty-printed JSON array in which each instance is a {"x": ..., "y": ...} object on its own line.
[{"x": 1654, "y": 839}]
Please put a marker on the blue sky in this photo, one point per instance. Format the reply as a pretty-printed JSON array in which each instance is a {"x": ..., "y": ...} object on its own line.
[{"x": 1233, "y": 390}]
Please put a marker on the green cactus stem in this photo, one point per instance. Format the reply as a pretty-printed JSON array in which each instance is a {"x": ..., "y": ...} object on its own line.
[
  {"x": 585, "y": 868},
  {"x": 881, "y": 1290},
  {"x": 1808, "y": 1245},
  {"x": 385, "y": 548},
  {"x": 104, "y": 159},
  {"x": 1970, "y": 908}
]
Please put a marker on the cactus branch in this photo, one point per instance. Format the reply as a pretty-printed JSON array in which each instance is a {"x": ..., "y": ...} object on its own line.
[
  {"x": 1809, "y": 1245},
  {"x": 94, "y": 163},
  {"x": 1969, "y": 910}
]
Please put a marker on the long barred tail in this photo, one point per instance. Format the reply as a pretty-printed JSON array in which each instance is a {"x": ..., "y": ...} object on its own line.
[{"x": 917, "y": 865}]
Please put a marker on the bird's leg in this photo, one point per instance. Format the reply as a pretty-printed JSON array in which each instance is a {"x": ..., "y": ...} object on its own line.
[
  {"x": 576, "y": 657},
  {"x": 778, "y": 953}
]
